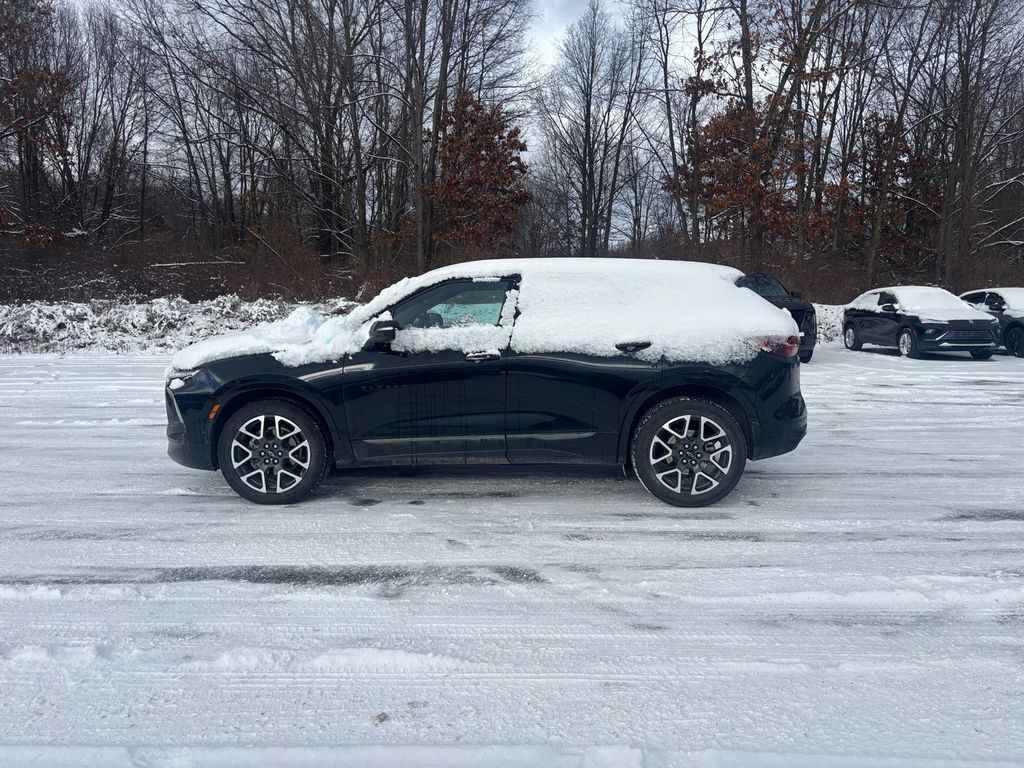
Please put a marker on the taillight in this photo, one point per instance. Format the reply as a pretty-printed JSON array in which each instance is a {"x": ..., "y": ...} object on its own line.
[{"x": 787, "y": 347}]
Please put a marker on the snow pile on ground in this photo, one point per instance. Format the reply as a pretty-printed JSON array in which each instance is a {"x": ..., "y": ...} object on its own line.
[
  {"x": 830, "y": 322},
  {"x": 680, "y": 310},
  {"x": 160, "y": 324}
]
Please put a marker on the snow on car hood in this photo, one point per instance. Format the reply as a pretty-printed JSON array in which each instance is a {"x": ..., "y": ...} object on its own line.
[
  {"x": 296, "y": 329},
  {"x": 945, "y": 314},
  {"x": 686, "y": 310}
]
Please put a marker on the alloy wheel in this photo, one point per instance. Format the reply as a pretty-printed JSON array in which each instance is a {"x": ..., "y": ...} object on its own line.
[
  {"x": 691, "y": 455},
  {"x": 906, "y": 344},
  {"x": 270, "y": 454}
]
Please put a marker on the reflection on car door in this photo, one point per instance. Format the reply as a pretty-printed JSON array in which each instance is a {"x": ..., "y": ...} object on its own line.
[
  {"x": 888, "y": 325},
  {"x": 437, "y": 393},
  {"x": 566, "y": 407}
]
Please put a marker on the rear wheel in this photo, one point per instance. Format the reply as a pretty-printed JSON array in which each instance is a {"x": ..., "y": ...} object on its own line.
[
  {"x": 981, "y": 354},
  {"x": 272, "y": 452},
  {"x": 805, "y": 357},
  {"x": 1015, "y": 342},
  {"x": 851, "y": 339},
  {"x": 689, "y": 452},
  {"x": 908, "y": 344}
]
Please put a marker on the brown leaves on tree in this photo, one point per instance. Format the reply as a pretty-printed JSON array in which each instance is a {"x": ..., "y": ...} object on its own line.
[{"x": 480, "y": 192}]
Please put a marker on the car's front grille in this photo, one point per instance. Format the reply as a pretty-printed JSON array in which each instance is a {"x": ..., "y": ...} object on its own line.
[{"x": 966, "y": 336}]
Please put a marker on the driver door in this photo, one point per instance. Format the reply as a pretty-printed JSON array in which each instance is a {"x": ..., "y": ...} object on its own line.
[{"x": 436, "y": 394}]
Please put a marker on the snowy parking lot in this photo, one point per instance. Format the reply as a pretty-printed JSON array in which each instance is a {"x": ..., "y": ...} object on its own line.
[{"x": 859, "y": 602}]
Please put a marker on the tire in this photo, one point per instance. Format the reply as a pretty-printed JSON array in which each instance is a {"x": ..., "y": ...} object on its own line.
[
  {"x": 290, "y": 437},
  {"x": 907, "y": 344},
  {"x": 718, "y": 452},
  {"x": 1015, "y": 341},
  {"x": 805, "y": 357},
  {"x": 851, "y": 339},
  {"x": 981, "y": 354}
]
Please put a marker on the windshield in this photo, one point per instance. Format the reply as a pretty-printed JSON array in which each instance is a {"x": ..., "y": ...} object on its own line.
[
  {"x": 764, "y": 285},
  {"x": 927, "y": 298}
]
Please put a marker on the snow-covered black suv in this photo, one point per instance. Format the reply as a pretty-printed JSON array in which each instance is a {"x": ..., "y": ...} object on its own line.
[
  {"x": 917, "y": 319},
  {"x": 769, "y": 288},
  {"x": 665, "y": 366},
  {"x": 1006, "y": 305}
]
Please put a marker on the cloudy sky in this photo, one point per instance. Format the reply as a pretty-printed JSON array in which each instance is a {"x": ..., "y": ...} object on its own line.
[{"x": 553, "y": 16}]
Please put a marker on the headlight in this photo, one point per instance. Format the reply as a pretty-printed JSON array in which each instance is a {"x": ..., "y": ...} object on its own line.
[
  {"x": 177, "y": 379},
  {"x": 198, "y": 377}
]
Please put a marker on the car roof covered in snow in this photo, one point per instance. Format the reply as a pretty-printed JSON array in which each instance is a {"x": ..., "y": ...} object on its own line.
[
  {"x": 926, "y": 301},
  {"x": 686, "y": 310},
  {"x": 1014, "y": 297}
]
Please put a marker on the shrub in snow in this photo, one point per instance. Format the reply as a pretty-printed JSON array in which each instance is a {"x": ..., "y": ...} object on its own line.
[{"x": 160, "y": 324}]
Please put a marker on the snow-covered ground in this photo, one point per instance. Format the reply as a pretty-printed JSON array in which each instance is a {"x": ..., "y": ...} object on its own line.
[{"x": 857, "y": 603}]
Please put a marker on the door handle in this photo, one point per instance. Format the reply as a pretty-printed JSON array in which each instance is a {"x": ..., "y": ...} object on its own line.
[
  {"x": 480, "y": 357},
  {"x": 632, "y": 346}
]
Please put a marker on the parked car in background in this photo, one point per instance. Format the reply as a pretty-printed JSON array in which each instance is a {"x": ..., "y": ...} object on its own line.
[
  {"x": 1007, "y": 306},
  {"x": 919, "y": 319},
  {"x": 770, "y": 288},
  {"x": 667, "y": 367}
]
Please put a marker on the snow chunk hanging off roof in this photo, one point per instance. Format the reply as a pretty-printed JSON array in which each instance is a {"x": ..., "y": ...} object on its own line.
[{"x": 686, "y": 310}]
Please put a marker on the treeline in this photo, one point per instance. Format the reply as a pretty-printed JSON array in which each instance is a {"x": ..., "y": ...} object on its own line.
[{"x": 305, "y": 147}]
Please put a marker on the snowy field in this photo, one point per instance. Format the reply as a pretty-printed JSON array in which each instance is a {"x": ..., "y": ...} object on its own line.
[{"x": 857, "y": 603}]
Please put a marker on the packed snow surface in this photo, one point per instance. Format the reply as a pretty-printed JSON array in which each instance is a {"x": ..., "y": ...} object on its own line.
[
  {"x": 686, "y": 310},
  {"x": 856, "y": 604}
]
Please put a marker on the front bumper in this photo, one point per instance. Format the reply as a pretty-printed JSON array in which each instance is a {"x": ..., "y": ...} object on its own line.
[{"x": 187, "y": 435}]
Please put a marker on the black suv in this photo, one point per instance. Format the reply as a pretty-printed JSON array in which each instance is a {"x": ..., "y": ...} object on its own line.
[
  {"x": 1007, "y": 306},
  {"x": 919, "y": 319},
  {"x": 768, "y": 287},
  {"x": 511, "y": 361}
]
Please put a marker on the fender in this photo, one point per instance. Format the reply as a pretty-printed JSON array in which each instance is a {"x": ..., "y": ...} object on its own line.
[
  {"x": 720, "y": 386},
  {"x": 234, "y": 393}
]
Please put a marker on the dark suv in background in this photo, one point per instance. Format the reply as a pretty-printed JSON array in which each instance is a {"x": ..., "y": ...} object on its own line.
[{"x": 768, "y": 287}]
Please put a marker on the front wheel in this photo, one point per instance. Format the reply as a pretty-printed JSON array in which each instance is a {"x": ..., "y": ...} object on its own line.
[
  {"x": 688, "y": 452},
  {"x": 850, "y": 338},
  {"x": 908, "y": 344},
  {"x": 272, "y": 452},
  {"x": 1015, "y": 342}
]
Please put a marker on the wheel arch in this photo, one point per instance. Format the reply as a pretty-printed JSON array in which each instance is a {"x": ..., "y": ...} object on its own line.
[
  {"x": 1011, "y": 327},
  {"x": 239, "y": 399},
  {"x": 719, "y": 395}
]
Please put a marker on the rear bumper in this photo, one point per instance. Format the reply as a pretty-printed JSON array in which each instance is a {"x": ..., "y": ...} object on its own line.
[
  {"x": 783, "y": 432},
  {"x": 780, "y": 421}
]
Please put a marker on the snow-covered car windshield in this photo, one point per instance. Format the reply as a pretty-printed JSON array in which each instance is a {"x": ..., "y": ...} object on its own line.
[{"x": 925, "y": 297}]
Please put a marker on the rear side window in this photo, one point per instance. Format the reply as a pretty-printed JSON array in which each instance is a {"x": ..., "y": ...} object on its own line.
[
  {"x": 453, "y": 304},
  {"x": 763, "y": 285}
]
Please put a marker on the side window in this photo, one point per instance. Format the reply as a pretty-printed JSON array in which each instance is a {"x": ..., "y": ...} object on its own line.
[
  {"x": 887, "y": 298},
  {"x": 994, "y": 300},
  {"x": 458, "y": 303},
  {"x": 975, "y": 298}
]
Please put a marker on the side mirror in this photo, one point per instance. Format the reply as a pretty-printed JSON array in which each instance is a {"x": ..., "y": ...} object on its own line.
[
  {"x": 888, "y": 307},
  {"x": 996, "y": 306},
  {"x": 796, "y": 294},
  {"x": 382, "y": 333}
]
